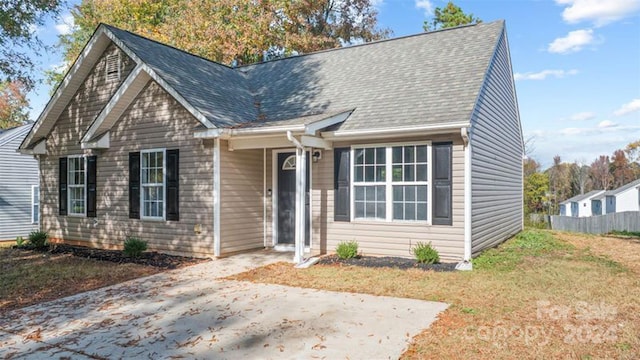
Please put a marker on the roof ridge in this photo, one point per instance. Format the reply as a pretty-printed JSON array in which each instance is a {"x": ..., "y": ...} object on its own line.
[
  {"x": 425, "y": 33},
  {"x": 167, "y": 45}
]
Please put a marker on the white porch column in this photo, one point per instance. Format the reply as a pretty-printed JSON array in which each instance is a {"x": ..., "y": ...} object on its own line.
[{"x": 301, "y": 162}]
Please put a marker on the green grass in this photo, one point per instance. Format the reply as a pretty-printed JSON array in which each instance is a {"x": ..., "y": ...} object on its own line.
[
  {"x": 626, "y": 233},
  {"x": 531, "y": 242}
]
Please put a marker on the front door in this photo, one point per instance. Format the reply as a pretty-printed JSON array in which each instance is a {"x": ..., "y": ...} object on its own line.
[{"x": 286, "y": 167}]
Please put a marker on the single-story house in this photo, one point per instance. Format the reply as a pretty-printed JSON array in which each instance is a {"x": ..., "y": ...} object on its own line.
[
  {"x": 389, "y": 143},
  {"x": 624, "y": 198},
  {"x": 579, "y": 205},
  {"x": 19, "y": 190}
]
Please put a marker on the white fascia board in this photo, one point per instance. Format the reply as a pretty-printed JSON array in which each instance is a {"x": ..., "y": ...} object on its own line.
[
  {"x": 241, "y": 143},
  {"x": 208, "y": 133},
  {"x": 39, "y": 149},
  {"x": 316, "y": 142},
  {"x": 197, "y": 114},
  {"x": 314, "y": 127},
  {"x": 115, "y": 108},
  {"x": 96, "y": 46},
  {"x": 104, "y": 142},
  {"x": 395, "y": 131}
]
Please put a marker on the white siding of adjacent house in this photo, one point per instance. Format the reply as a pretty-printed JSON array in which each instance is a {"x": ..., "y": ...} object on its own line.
[
  {"x": 18, "y": 174},
  {"x": 496, "y": 157},
  {"x": 628, "y": 200}
]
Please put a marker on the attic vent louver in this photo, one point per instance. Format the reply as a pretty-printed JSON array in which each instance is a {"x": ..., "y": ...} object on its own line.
[{"x": 113, "y": 67}]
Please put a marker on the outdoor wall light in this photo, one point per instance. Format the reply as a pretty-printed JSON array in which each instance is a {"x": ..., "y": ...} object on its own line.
[{"x": 317, "y": 155}]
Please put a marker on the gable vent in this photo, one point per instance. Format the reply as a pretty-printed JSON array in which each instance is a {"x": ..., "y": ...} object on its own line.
[{"x": 113, "y": 67}]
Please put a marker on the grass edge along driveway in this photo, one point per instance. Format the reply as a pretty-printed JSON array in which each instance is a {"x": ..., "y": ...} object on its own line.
[{"x": 541, "y": 294}]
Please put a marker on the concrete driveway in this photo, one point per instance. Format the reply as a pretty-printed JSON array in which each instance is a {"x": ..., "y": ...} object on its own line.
[{"x": 188, "y": 313}]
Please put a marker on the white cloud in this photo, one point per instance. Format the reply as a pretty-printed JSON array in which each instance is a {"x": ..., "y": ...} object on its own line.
[
  {"x": 574, "y": 41},
  {"x": 541, "y": 75},
  {"x": 582, "y": 116},
  {"x": 606, "y": 124},
  {"x": 426, "y": 6},
  {"x": 66, "y": 25},
  {"x": 632, "y": 106},
  {"x": 600, "y": 12}
]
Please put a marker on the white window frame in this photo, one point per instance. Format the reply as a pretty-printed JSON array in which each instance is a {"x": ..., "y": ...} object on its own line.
[
  {"x": 164, "y": 185},
  {"x": 109, "y": 60},
  {"x": 35, "y": 189},
  {"x": 70, "y": 186},
  {"x": 388, "y": 183}
]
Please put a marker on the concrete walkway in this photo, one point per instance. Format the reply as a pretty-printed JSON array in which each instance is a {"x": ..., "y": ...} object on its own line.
[{"x": 188, "y": 313}]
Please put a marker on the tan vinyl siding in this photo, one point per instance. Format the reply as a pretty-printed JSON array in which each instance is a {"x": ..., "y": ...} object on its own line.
[
  {"x": 154, "y": 120},
  {"x": 241, "y": 199},
  {"x": 387, "y": 238},
  {"x": 496, "y": 157}
]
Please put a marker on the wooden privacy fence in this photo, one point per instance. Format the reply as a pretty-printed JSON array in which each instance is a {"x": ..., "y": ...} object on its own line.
[{"x": 601, "y": 224}]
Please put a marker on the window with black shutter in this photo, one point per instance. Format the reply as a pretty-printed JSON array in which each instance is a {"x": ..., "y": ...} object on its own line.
[
  {"x": 134, "y": 185},
  {"x": 442, "y": 192},
  {"x": 91, "y": 185},
  {"x": 341, "y": 211},
  {"x": 173, "y": 177},
  {"x": 62, "y": 187}
]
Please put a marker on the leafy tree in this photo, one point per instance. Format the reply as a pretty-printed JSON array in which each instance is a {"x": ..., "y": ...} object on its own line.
[
  {"x": 228, "y": 30},
  {"x": 449, "y": 16},
  {"x": 18, "y": 19},
  {"x": 601, "y": 178},
  {"x": 530, "y": 166},
  {"x": 633, "y": 151},
  {"x": 559, "y": 182},
  {"x": 536, "y": 188},
  {"x": 621, "y": 169},
  {"x": 580, "y": 181},
  {"x": 13, "y": 104}
]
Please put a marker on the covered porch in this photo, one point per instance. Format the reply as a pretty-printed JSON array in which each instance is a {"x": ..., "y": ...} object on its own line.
[{"x": 263, "y": 185}]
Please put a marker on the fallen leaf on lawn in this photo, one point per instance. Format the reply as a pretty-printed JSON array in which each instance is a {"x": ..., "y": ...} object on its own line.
[{"x": 35, "y": 336}]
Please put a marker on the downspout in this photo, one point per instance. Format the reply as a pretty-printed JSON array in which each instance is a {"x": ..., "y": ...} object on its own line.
[
  {"x": 466, "y": 262},
  {"x": 264, "y": 196},
  {"x": 216, "y": 197},
  {"x": 300, "y": 198}
]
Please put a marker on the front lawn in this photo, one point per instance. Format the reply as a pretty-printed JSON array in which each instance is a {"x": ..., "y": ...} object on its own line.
[
  {"x": 540, "y": 295},
  {"x": 30, "y": 277}
]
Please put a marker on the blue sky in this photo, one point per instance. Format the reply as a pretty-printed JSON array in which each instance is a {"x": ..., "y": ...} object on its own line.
[{"x": 576, "y": 63}]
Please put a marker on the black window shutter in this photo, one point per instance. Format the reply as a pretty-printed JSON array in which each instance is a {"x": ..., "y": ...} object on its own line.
[
  {"x": 341, "y": 198},
  {"x": 442, "y": 195},
  {"x": 62, "y": 190},
  {"x": 91, "y": 185},
  {"x": 134, "y": 185},
  {"x": 173, "y": 177}
]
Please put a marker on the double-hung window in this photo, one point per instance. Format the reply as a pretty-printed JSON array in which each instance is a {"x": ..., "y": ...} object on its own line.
[
  {"x": 77, "y": 179},
  {"x": 152, "y": 170},
  {"x": 391, "y": 182}
]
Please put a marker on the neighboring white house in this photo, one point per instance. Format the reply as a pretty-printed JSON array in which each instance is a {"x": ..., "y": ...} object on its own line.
[
  {"x": 579, "y": 205},
  {"x": 624, "y": 198},
  {"x": 19, "y": 186}
]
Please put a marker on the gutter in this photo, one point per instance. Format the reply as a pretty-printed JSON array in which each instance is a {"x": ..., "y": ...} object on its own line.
[{"x": 466, "y": 264}]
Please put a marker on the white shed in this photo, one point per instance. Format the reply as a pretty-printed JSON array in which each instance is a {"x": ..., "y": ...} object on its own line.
[{"x": 624, "y": 198}]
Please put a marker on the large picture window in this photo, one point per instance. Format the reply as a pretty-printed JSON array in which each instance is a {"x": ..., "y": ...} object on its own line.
[
  {"x": 152, "y": 169},
  {"x": 77, "y": 178},
  {"x": 391, "y": 182}
]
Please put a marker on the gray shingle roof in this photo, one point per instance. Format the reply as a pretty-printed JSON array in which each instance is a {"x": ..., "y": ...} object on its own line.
[
  {"x": 622, "y": 188},
  {"x": 426, "y": 79},
  {"x": 582, "y": 196},
  {"x": 219, "y": 92},
  {"x": 10, "y": 134}
]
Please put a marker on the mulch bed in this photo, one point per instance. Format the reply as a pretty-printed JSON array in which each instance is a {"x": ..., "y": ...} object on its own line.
[
  {"x": 385, "y": 261},
  {"x": 150, "y": 258}
]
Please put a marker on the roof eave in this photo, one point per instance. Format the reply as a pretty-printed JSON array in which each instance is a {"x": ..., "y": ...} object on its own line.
[{"x": 431, "y": 129}]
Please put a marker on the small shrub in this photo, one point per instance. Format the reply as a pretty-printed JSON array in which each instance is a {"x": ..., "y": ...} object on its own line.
[
  {"x": 38, "y": 239},
  {"x": 133, "y": 247},
  {"x": 347, "y": 250},
  {"x": 20, "y": 241},
  {"x": 425, "y": 253}
]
